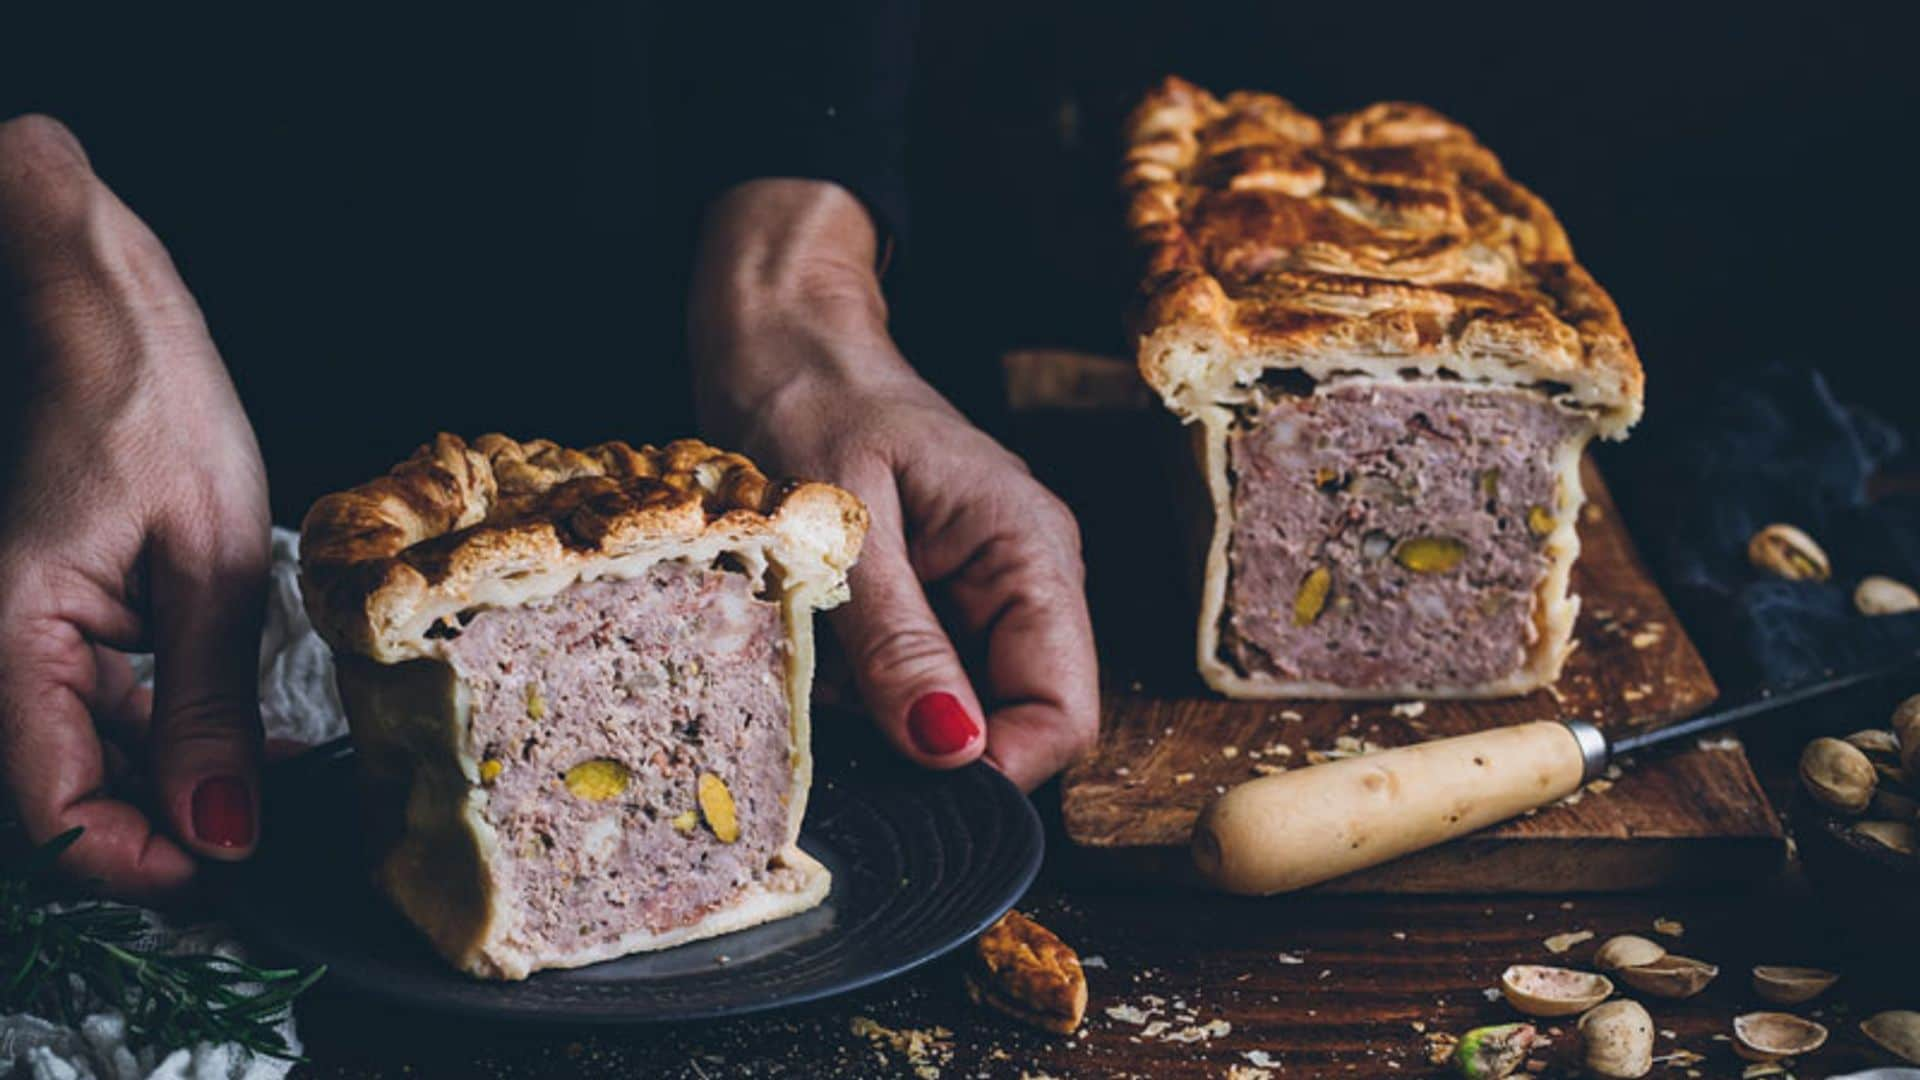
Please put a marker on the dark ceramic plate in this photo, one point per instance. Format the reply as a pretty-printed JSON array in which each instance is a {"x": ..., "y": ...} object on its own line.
[{"x": 921, "y": 863}]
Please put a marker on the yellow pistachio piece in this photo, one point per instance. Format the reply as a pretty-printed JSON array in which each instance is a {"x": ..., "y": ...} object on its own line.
[
  {"x": 598, "y": 780},
  {"x": 1490, "y": 482},
  {"x": 716, "y": 805},
  {"x": 1540, "y": 521},
  {"x": 536, "y": 705},
  {"x": 1430, "y": 554},
  {"x": 1312, "y": 596},
  {"x": 490, "y": 770},
  {"x": 686, "y": 821}
]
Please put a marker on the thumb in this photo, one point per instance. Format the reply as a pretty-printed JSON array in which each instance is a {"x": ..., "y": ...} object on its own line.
[
  {"x": 208, "y": 594},
  {"x": 908, "y": 672}
]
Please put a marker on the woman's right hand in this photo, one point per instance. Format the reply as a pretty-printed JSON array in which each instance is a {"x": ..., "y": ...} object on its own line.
[{"x": 133, "y": 517}]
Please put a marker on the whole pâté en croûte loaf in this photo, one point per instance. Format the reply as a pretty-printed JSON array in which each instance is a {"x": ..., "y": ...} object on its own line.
[
  {"x": 1391, "y": 364},
  {"x": 577, "y": 682}
]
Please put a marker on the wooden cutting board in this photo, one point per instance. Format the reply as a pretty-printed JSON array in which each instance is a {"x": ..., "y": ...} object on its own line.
[{"x": 1168, "y": 744}]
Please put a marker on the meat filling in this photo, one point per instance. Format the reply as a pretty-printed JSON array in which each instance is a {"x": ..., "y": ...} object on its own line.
[
  {"x": 1392, "y": 534},
  {"x": 618, "y": 727}
]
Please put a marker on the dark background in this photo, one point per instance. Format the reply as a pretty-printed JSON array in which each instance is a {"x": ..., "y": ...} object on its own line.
[{"x": 405, "y": 220}]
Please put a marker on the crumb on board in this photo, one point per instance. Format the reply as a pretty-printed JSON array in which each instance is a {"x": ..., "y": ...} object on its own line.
[
  {"x": 1560, "y": 943},
  {"x": 925, "y": 1049},
  {"x": 1669, "y": 927},
  {"x": 1408, "y": 710}
]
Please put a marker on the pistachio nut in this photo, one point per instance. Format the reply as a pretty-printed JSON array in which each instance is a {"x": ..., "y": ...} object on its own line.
[
  {"x": 1540, "y": 521},
  {"x": 1538, "y": 990},
  {"x": 1618, "y": 1040},
  {"x": 1876, "y": 595},
  {"x": 1875, "y": 741},
  {"x": 1770, "y": 1036},
  {"x": 598, "y": 780},
  {"x": 1786, "y": 552},
  {"x": 1491, "y": 1053},
  {"x": 716, "y": 805},
  {"x": 1791, "y": 985},
  {"x": 490, "y": 769},
  {"x": 1837, "y": 775},
  {"x": 1670, "y": 976},
  {"x": 1430, "y": 554},
  {"x": 1312, "y": 596},
  {"x": 1897, "y": 1032},
  {"x": 1892, "y": 835},
  {"x": 1906, "y": 729},
  {"x": 1626, "y": 951}
]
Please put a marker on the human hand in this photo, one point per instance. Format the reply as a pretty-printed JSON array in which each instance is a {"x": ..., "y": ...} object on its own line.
[
  {"x": 133, "y": 517},
  {"x": 793, "y": 364}
]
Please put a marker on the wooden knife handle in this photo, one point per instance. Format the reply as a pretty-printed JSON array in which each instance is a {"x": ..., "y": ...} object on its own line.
[{"x": 1294, "y": 829}]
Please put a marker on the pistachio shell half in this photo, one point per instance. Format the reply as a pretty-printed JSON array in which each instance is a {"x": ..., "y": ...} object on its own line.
[
  {"x": 1791, "y": 985},
  {"x": 1895, "y": 835},
  {"x": 1770, "y": 1036},
  {"x": 1893, "y": 805},
  {"x": 1492, "y": 1053},
  {"x": 1628, "y": 950},
  {"x": 1837, "y": 775},
  {"x": 1896, "y": 1032},
  {"x": 1670, "y": 976},
  {"x": 1618, "y": 1038},
  {"x": 1877, "y": 595},
  {"x": 1550, "y": 991},
  {"x": 1875, "y": 741}
]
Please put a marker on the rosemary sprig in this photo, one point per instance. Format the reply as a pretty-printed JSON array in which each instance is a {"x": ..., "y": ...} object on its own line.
[{"x": 53, "y": 958}]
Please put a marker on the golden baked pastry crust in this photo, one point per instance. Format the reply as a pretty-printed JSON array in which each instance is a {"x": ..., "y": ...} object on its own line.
[
  {"x": 461, "y": 524},
  {"x": 1378, "y": 241}
]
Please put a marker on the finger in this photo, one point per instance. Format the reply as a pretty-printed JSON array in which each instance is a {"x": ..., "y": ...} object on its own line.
[
  {"x": 906, "y": 668},
  {"x": 1023, "y": 593},
  {"x": 122, "y": 709},
  {"x": 55, "y": 770},
  {"x": 209, "y": 591}
]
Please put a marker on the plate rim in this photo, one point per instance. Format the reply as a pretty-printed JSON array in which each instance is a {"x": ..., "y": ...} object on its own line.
[{"x": 337, "y": 752}]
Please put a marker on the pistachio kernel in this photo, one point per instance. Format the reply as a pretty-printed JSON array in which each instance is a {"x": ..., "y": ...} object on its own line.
[
  {"x": 1312, "y": 596},
  {"x": 1540, "y": 521},
  {"x": 716, "y": 805},
  {"x": 1490, "y": 483},
  {"x": 536, "y": 705},
  {"x": 598, "y": 780},
  {"x": 1430, "y": 554},
  {"x": 1786, "y": 552},
  {"x": 686, "y": 821},
  {"x": 490, "y": 769}
]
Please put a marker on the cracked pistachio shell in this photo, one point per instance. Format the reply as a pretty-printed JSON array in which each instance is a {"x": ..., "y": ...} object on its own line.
[
  {"x": 1492, "y": 1053},
  {"x": 1550, "y": 991},
  {"x": 1877, "y": 595},
  {"x": 1786, "y": 552},
  {"x": 1627, "y": 950},
  {"x": 1896, "y": 1032},
  {"x": 1670, "y": 976},
  {"x": 1618, "y": 1040},
  {"x": 1837, "y": 775},
  {"x": 1894, "y": 806},
  {"x": 1770, "y": 1036},
  {"x": 1791, "y": 985},
  {"x": 1906, "y": 729}
]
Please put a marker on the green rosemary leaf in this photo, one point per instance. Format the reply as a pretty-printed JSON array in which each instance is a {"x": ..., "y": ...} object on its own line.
[{"x": 58, "y": 957}]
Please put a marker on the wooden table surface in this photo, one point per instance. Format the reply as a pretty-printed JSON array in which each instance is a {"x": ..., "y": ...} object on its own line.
[
  {"x": 1313, "y": 986},
  {"x": 1189, "y": 984}
]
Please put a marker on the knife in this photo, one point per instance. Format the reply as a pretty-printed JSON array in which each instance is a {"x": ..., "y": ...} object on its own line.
[{"x": 1284, "y": 832}]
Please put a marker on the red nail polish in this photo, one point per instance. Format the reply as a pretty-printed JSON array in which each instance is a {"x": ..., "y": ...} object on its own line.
[
  {"x": 223, "y": 812},
  {"x": 940, "y": 725}
]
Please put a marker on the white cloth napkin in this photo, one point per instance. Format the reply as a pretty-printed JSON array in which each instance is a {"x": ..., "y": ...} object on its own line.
[{"x": 298, "y": 702}]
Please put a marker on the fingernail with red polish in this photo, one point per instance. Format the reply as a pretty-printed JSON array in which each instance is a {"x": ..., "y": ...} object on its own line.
[
  {"x": 223, "y": 812},
  {"x": 940, "y": 725}
]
